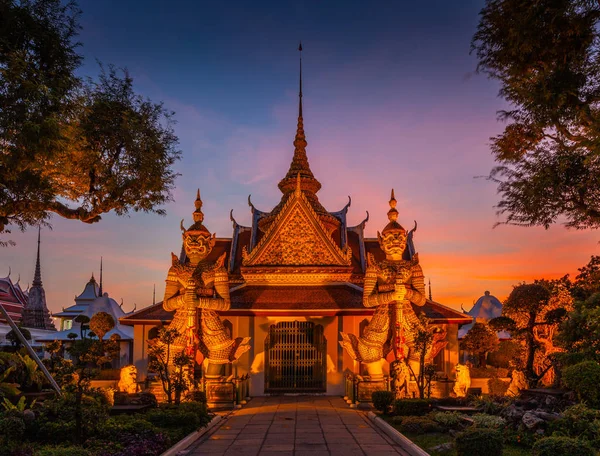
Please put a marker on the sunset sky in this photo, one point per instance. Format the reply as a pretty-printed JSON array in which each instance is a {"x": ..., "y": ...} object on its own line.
[{"x": 391, "y": 99}]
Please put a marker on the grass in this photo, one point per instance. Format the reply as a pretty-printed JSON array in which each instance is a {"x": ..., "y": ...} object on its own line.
[{"x": 426, "y": 441}]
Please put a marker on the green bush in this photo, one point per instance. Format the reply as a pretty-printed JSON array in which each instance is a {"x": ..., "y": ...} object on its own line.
[
  {"x": 12, "y": 428},
  {"x": 382, "y": 400},
  {"x": 562, "y": 446},
  {"x": 396, "y": 420},
  {"x": 412, "y": 407},
  {"x": 419, "y": 425},
  {"x": 482, "y": 420},
  {"x": 497, "y": 387},
  {"x": 508, "y": 350},
  {"x": 476, "y": 441},
  {"x": 175, "y": 421},
  {"x": 196, "y": 396},
  {"x": 578, "y": 421},
  {"x": 584, "y": 378},
  {"x": 448, "y": 420},
  {"x": 61, "y": 451},
  {"x": 200, "y": 409}
]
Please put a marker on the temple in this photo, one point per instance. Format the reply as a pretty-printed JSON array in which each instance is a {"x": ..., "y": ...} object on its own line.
[{"x": 298, "y": 299}]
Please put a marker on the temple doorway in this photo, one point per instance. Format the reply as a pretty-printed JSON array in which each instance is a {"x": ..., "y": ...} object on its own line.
[{"x": 295, "y": 358}]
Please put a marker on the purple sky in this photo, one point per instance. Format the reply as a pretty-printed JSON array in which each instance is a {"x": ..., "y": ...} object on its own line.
[{"x": 390, "y": 100}]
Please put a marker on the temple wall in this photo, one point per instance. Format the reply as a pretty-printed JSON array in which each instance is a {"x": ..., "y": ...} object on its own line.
[{"x": 140, "y": 350}]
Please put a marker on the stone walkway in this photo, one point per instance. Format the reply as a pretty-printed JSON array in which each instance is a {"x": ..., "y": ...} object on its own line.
[{"x": 296, "y": 426}]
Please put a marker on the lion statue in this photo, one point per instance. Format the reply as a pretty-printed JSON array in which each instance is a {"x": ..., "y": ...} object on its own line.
[
  {"x": 463, "y": 380},
  {"x": 518, "y": 383},
  {"x": 128, "y": 381}
]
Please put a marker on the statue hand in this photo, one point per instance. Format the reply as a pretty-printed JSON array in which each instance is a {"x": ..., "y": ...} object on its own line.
[
  {"x": 399, "y": 292},
  {"x": 190, "y": 297}
]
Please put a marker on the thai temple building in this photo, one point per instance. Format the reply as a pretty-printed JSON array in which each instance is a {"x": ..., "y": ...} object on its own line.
[
  {"x": 484, "y": 309},
  {"x": 299, "y": 299},
  {"x": 27, "y": 307},
  {"x": 91, "y": 301}
]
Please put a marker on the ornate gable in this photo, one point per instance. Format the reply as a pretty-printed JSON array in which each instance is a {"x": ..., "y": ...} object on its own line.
[{"x": 297, "y": 238}]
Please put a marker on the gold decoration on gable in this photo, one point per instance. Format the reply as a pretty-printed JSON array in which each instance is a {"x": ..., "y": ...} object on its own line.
[{"x": 297, "y": 237}]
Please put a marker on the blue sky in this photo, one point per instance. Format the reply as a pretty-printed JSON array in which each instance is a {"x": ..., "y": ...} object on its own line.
[{"x": 391, "y": 99}]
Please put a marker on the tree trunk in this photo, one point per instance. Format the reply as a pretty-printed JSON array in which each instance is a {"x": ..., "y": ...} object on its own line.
[{"x": 482, "y": 359}]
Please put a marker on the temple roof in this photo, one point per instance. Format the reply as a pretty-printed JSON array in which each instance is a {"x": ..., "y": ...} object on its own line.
[{"x": 486, "y": 308}]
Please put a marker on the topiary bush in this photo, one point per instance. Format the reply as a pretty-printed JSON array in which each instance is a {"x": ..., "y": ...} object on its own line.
[
  {"x": 62, "y": 451},
  {"x": 483, "y": 420},
  {"x": 448, "y": 420},
  {"x": 476, "y": 441},
  {"x": 578, "y": 421},
  {"x": 584, "y": 378},
  {"x": 382, "y": 400},
  {"x": 412, "y": 407},
  {"x": 562, "y": 446},
  {"x": 419, "y": 425}
]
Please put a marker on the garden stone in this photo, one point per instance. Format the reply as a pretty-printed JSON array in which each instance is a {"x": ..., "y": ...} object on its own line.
[
  {"x": 547, "y": 416},
  {"x": 443, "y": 448},
  {"x": 551, "y": 401},
  {"x": 512, "y": 413},
  {"x": 531, "y": 420},
  {"x": 28, "y": 416}
]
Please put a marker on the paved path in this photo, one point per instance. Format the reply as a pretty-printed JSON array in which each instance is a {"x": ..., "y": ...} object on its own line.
[{"x": 296, "y": 426}]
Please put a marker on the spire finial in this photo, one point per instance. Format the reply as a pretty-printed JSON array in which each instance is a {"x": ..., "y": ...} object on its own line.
[
  {"x": 392, "y": 213},
  {"x": 430, "y": 298},
  {"x": 300, "y": 93},
  {"x": 198, "y": 216},
  {"x": 154, "y": 295},
  {"x": 100, "y": 285},
  {"x": 37, "y": 277},
  {"x": 298, "y": 185}
]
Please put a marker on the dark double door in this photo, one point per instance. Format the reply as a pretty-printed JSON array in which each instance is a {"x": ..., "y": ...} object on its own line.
[{"x": 295, "y": 358}]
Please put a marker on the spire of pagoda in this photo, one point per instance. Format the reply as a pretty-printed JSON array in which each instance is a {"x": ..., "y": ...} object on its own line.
[
  {"x": 37, "y": 277},
  {"x": 100, "y": 285},
  {"x": 300, "y": 160}
]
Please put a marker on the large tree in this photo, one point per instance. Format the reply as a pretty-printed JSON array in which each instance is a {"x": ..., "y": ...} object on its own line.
[
  {"x": 69, "y": 145},
  {"x": 545, "y": 54},
  {"x": 532, "y": 314},
  {"x": 480, "y": 340}
]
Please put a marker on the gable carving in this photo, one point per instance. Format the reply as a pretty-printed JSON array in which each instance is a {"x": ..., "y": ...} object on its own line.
[{"x": 297, "y": 238}]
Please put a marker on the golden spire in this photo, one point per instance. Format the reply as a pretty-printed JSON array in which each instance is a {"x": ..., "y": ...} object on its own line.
[
  {"x": 197, "y": 215},
  {"x": 392, "y": 214},
  {"x": 300, "y": 160}
]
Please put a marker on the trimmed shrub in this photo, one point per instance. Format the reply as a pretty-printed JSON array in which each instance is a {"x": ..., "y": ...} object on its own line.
[
  {"x": 396, "y": 420},
  {"x": 508, "y": 350},
  {"x": 449, "y": 420},
  {"x": 584, "y": 378},
  {"x": 578, "y": 421},
  {"x": 562, "y": 446},
  {"x": 419, "y": 425},
  {"x": 412, "y": 407},
  {"x": 62, "y": 451},
  {"x": 196, "y": 396},
  {"x": 476, "y": 441},
  {"x": 382, "y": 400},
  {"x": 482, "y": 420},
  {"x": 497, "y": 387}
]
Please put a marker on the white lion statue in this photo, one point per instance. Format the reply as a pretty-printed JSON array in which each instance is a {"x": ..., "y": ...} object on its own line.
[
  {"x": 463, "y": 380},
  {"x": 518, "y": 383},
  {"x": 128, "y": 381}
]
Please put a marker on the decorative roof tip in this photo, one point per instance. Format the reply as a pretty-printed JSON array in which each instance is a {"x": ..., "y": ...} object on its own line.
[
  {"x": 300, "y": 92},
  {"x": 37, "y": 277},
  {"x": 298, "y": 185},
  {"x": 100, "y": 284}
]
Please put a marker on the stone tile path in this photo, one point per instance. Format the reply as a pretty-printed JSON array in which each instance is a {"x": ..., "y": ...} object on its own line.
[{"x": 296, "y": 426}]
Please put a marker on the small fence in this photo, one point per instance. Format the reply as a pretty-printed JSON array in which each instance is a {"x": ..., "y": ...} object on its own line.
[
  {"x": 229, "y": 392},
  {"x": 359, "y": 389}
]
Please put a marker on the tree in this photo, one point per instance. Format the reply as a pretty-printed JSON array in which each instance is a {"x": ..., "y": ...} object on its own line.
[
  {"x": 172, "y": 368},
  {"x": 101, "y": 323},
  {"x": 587, "y": 282},
  {"x": 545, "y": 56},
  {"x": 89, "y": 355},
  {"x": 480, "y": 340},
  {"x": 14, "y": 340},
  {"x": 424, "y": 337},
  {"x": 72, "y": 146},
  {"x": 532, "y": 313}
]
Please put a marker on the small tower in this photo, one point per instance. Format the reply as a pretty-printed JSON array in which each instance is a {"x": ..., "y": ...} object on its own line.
[{"x": 35, "y": 312}]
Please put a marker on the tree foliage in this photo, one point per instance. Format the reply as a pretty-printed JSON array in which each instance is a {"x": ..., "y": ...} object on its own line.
[
  {"x": 545, "y": 54},
  {"x": 480, "y": 340},
  {"x": 532, "y": 313},
  {"x": 101, "y": 323},
  {"x": 72, "y": 146}
]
